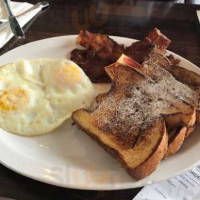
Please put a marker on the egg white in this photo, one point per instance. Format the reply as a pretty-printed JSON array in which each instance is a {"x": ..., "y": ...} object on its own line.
[{"x": 47, "y": 100}]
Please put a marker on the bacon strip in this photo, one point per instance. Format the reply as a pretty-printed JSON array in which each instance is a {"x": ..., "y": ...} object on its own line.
[
  {"x": 105, "y": 47},
  {"x": 102, "y": 51},
  {"x": 160, "y": 40}
]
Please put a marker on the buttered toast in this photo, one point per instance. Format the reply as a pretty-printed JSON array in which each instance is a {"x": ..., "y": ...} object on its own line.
[{"x": 130, "y": 120}]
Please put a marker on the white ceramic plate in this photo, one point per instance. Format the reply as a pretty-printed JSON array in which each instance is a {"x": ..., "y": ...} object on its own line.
[{"x": 68, "y": 157}]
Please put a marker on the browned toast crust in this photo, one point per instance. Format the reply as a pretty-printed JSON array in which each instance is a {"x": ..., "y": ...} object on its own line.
[
  {"x": 176, "y": 138},
  {"x": 153, "y": 161},
  {"x": 189, "y": 131}
]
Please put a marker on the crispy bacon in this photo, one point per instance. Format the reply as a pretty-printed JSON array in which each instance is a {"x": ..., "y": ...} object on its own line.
[
  {"x": 105, "y": 47},
  {"x": 140, "y": 50},
  {"x": 102, "y": 51},
  {"x": 160, "y": 40},
  {"x": 91, "y": 64}
]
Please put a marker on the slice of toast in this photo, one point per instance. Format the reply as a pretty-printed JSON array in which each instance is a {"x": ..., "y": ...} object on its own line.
[
  {"x": 141, "y": 159},
  {"x": 185, "y": 76},
  {"x": 176, "y": 135},
  {"x": 152, "y": 70},
  {"x": 176, "y": 138},
  {"x": 129, "y": 119}
]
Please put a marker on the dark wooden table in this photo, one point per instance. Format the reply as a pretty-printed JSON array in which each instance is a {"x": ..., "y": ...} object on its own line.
[{"x": 115, "y": 17}]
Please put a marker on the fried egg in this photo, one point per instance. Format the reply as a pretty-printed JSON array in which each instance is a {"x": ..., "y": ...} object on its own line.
[{"x": 36, "y": 96}]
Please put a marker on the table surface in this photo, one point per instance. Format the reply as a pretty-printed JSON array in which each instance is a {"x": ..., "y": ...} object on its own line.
[{"x": 129, "y": 18}]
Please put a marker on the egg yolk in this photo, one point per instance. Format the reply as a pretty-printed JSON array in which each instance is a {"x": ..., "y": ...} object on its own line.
[
  {"x": 13, "y": 99},
  {"x": 68, "y": 74}
]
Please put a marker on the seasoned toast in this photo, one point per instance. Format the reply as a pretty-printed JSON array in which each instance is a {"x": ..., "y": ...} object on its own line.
[
  {"x": 185, "y": 76},
  {"x": 139, "y": 160},
  {"x": 156, "y": 73},
  {"x": 176, "y": 134},
  {"x": 129, "y": 120}
]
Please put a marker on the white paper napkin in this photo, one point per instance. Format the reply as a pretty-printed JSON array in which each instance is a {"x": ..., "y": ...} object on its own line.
[
  {"x": 17, "y": 8},
  {"x": 183, "y": 187}
]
